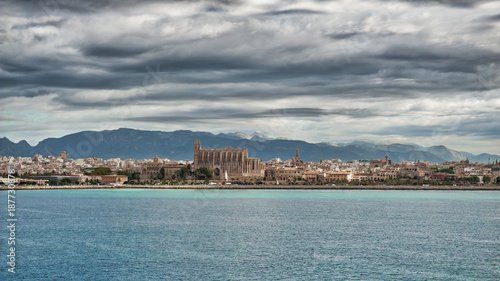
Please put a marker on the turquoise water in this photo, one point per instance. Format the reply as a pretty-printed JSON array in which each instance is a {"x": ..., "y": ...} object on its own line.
[{"x": 254, "y": 235}]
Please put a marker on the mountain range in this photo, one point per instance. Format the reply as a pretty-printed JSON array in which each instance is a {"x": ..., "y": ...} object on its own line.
[{"x": 179, "y": 145}]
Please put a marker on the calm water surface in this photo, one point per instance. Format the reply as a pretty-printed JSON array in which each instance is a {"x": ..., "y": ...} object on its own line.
[{"x": 254, "y": 235}]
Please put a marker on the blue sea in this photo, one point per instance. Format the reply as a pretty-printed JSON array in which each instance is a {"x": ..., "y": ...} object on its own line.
[{"x": 134, "y": 234}]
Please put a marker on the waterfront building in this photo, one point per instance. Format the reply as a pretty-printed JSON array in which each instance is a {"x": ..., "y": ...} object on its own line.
[
  {"x": 339, "y": 176},
  {"x": 114, "y": 179},
  {"x": 234, "y": 162},
  {"x": 310, "y": 176},
  {"x": 286, "y": 173},
  {"x": 152, "y": 170},
  {"x": 56, "y": 179},
  {"x": 171, "y": 167},
  {"x": 380, "y": 163}
]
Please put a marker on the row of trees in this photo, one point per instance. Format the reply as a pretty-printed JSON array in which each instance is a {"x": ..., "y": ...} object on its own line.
[
  {"x": 398, "y": 181},
  {"x": 68, "y": 181},
  {"x": 447, "y": 170},
  {"x": 185, "y": 173},
  {"x": 201, "y": 173},
  {"x": 100, "y": 171},
  {"x": 131, "y": 176}
]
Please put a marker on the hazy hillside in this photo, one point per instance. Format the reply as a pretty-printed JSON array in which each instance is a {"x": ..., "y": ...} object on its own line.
[{"x": 179, "y": 145}]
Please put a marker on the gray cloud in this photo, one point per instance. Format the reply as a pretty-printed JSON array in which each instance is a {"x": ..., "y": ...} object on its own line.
[
  {"x": 310, "y": 60},
  {"x": 7, "y": 118},
  {"x": 112, "y": 51},
  {"x": 485, "y": 126},
  {"x": 453, "y": 3},
  {"x": 292, "y": 12},
  {"x": 493, "y": 18},
  {"x": 341, "y": 36},
  {"x": 222, "y": 114},
  {"x": 54, "y": 23}
]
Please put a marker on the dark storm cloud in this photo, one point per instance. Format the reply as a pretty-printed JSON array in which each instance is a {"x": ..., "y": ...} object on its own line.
[
  {"x": 493, "y": 18},
  {"x": 197, "y": 62},
  {"x": 224, "y": 114},
  {"x": 171, "y": 118},
  {"x": 395, "y": 60},
  {"x": 72, "y": 104},
  {"x": 18, "y": 67},
  {"x": 31, "y": 93},
  {"x": 487, "y": 19},
  {"x": 54, "y": 23},
  {"x": 412, "y": 53},
  {"x": 283, "y": 112},
  {"x": 112, "y": 51},
  {"x": 450, "y": 58},
  {"x": 70, "y": 80},
  {"x": 49, "y": 7},
  {"x": 316, "y": 112},
  {"x": 92, "y": 6},
  {"x": 453, "y": 3},
  {"x": 341, "y": 36},
  {"x": 270, "y": 63},
  {"x": 292, "y": 12},
  {"x": 213, "y": 92}
]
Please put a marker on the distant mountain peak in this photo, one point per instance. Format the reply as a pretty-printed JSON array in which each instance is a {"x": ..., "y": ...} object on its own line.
[
  {"x": 256, "y": 136},
  {"x": 438, "y": 147},
  {"x": 330, "y": 144}
]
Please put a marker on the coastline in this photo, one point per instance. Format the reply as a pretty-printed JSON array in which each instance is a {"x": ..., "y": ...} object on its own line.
[{"x": 297, "y": 187}]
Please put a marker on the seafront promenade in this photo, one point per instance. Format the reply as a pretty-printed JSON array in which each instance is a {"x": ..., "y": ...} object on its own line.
[{"x": 311, "y": 187}]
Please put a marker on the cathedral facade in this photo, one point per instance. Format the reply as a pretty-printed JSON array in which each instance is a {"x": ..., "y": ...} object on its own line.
[{"x": 231, "y": 161}]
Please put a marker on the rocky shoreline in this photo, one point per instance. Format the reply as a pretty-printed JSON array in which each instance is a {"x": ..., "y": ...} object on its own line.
[{"x": 308, "y": 187}]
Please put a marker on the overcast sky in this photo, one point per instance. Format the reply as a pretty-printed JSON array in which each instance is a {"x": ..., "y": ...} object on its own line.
[{"x": 425, "y": 72}]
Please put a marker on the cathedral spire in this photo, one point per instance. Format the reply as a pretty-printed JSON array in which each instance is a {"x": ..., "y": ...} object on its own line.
[
  {"x": 296, "y": 160},
  {"x": 197, "y": 148}
]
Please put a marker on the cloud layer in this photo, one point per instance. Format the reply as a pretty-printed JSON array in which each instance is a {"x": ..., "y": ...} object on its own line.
[{"x": 409, "y": 71}]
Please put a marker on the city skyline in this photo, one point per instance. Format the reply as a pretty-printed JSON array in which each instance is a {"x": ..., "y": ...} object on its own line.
[
  {"x": 424, "y": 72},
  {"x": 235, "y": 164},
  {"x": 127, "y": 143},
  {"x": 259, "y": 134}
]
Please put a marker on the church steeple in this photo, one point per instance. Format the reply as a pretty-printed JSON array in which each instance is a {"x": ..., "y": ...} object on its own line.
[
  {"x": 197, "y": 144},
  {"x": 197, "y": 148},
  {"x": 296, "y": 160}
]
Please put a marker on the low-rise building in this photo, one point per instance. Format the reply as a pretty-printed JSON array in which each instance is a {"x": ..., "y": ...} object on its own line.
[
  {"x": 114, "y": 179},
  {"x": 339, "y": 176}
]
